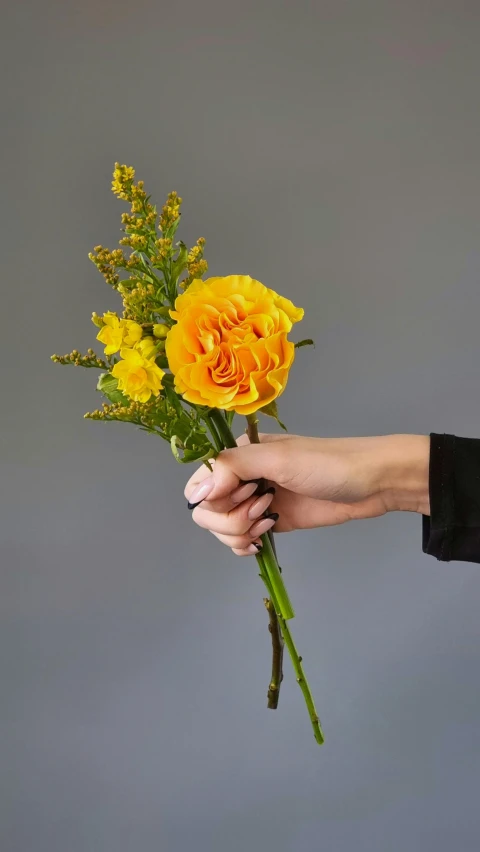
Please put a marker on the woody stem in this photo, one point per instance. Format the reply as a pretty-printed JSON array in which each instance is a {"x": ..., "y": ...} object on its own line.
[{"x": 273, "y": 626}]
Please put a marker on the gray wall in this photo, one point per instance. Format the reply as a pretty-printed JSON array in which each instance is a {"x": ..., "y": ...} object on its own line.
[{"x": 332, "y": 150}]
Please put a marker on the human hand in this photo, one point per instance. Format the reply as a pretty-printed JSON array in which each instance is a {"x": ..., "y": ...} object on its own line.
[{"x": 311, "y": 482}]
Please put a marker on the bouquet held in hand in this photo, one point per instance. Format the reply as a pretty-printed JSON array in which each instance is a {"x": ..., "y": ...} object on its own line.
[{"x": 185, "y": 356}]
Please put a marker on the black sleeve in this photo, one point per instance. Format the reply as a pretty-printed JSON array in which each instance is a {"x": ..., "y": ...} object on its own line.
[{"x": 452, "y": 530}]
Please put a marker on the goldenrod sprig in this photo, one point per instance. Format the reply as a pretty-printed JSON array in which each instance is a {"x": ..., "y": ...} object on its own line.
[
  {"x": 155, "y": 264},
  {"x": 138, "y": 413},
  {"x": 78, "y": 360},
  {"x": 196, "y": 265}
]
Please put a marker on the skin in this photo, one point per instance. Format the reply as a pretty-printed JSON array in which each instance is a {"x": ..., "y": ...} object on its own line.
[{"x": 318, "y": 482}]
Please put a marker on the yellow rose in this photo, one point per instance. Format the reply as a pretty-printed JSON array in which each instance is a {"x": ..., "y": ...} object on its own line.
[
  {"x": 229, "y": 346},
  {"x": 116, "y": 333},
  {"x": 138, "y": 377}
]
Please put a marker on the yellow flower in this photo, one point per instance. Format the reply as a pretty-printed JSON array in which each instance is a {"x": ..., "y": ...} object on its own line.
[
  {"x": 116, "y": 333},
  {"x": 122, "y": 181},
  {"x": 138, "y": 377},
  {"x": 229, "y": 346},
  {"x": 147, "y": 347}
]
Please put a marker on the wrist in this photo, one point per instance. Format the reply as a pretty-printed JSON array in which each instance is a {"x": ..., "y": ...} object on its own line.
[{"x": 403, "y": 463}]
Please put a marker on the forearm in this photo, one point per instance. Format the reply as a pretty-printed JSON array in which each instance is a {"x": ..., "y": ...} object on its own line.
[{"x": 401, "y": 471}]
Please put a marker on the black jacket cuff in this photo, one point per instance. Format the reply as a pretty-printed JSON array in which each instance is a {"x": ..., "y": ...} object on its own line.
[{"x": 452, "y": 530}]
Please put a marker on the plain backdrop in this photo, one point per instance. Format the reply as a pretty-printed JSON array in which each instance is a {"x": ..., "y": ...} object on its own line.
[{"x": 330, "y": 149}]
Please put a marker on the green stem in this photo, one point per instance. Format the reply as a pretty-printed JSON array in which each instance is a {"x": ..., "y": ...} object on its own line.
[
  {"x": 284, "y": 606},
  {"x": 223, "y": 428},
  {"x": 274, "y": 575},
  {"x": 213, "y": 431},
  {"x": 273, "y": 626},
  {"x": 269, "y": 570},
  {"x": 295, "y": 658}
]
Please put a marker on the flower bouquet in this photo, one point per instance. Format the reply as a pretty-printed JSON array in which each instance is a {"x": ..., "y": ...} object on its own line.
[{"x": 186, "y": 356}]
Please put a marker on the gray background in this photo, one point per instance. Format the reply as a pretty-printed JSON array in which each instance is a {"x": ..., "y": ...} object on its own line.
[{"x": 332, "y": 150}]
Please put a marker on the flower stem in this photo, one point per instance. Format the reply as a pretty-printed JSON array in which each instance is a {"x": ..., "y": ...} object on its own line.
[
  {"x": 269, "y": 569},
  {"x": 273, "y": 626},
  {"x": 295, "y": 658},
  {"x": 302, "y": 681},
  {"x": 213, "y": 431},
  {"x": 223, "y": 428},
  {"x": 283, "y": 605},
  {"x": 277, "y": 656}
]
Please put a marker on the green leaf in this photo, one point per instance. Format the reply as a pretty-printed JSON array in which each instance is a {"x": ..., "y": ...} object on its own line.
[
  {"x": 307, "y": 342},
  {"x": 174, "y": 440},
  {"x": 272, "y": 411},
  {"x": 108, "y": 385},
  {"x": 196, "y": 455},
  {"x": 173, "y": 399}
]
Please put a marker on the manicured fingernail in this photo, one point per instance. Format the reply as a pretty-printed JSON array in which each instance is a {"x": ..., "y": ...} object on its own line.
[
  {"x": 264, "y": 525},
  {"x": 243, "y": 492},
  {"x": 274, "y": 516},
  {"x": 201, "y": 492},
  {"x": 258, "y": 508},
  {"x": 258, "y": 545},
  {"x": 253, "y": 549}
]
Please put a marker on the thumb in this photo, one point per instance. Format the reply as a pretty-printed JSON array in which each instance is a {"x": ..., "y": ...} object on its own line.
[{"x": 242, "y": 464}]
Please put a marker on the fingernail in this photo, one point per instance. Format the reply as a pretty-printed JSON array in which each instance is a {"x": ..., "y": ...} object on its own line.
[
  {"x": 247, "y": 481},
  {"x": 201, "y": 492},
  {"x": 258, "y": 545},
  {"x": 243, "y": 492},
  {"x": 274, "y": 516},
  {"x": 258, "y": 508},
  {"x": 251, "y": 549},
  {"x": 264, "y": 525}
]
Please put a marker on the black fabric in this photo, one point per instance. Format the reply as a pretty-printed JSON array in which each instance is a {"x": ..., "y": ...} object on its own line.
[{"x": 452, "y": 530}]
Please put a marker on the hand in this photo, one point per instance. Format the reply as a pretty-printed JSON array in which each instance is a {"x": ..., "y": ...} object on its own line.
[{"x": 312, "y": 482}]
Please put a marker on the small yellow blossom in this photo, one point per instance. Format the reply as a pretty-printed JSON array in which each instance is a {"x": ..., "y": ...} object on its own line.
[
  {"x": 164, "y": 247},
  {"x": 116, "y": 333},
  {"x": 138, "y": 242},
  {"x": 122, "y": 181},
  {"x": 170, "y": 211},
  {"x": 138, "y": 377}
]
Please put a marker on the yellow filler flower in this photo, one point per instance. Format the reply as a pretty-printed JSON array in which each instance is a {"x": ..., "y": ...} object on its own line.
[
  {"x": 138, "y": 377},
  {"x": 116, "y": 333}
]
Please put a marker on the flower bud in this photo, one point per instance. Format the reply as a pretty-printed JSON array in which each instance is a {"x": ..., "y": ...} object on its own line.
[
  {"x": 98, "y": 321},
  {"x": 160, "y": 331}
]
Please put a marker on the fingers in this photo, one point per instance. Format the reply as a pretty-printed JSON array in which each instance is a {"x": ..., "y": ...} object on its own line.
[
  {"x": 224, "y": 502},
  {"x": 234, "y": 468},
  {"x": 238, "y": 521},
  {"x": 196, "y": 478},
  {"x": 241, "y": 546}
]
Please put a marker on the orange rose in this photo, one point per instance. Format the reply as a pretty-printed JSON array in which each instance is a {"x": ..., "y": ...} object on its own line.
[{"x": 229, "y": 346}]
